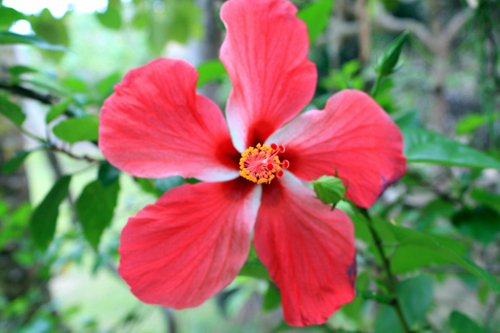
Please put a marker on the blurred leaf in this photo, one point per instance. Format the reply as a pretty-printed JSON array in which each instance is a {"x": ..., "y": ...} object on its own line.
[
  {"x": 460, "y": 323},
  {"x": 74, "y": 84},
  {"x": 425, "y": 146},
  {"x": 353, "y": 309},
  {"x": 111, "y": 18},
  {"x": 105, "y": 86},
  {"x": 11, "y": 111},
  {"x": 18, "y": 70},
  {"x": 470, "y": 122},
  {"x": 78, "y": 129},
  {"x": 15, "y": 162},
  {"x": 415, "y": 295},
  {"x": 256, "y": 269},
  {"x": 7, "y": 37},
  {"x": 272, "y": 298},
  {"x": 8, "y": 16},
  {"x": 376, "y": 296},
  {"x": 441, "y": 252},
  {"x": 389, "y": 59},
  {"x": 49, "y": 28},
  {"x": 486, "y": 198},
  {"x": 58, "y": 109},
  {"x": 108, "y": 174},
  {"x": 95, "y": 208},
  {"x": 165, "y": 184},
  {"x": 316, "y": 16},
  {"x": 209, "y": 71},
  {"x": 44, "y": 218},
  {"x": 408, "y": 119},
  {"x": 481, "y": 223}
]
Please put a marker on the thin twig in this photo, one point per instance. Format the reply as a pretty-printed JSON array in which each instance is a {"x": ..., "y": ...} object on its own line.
[{"x": 391, "y": 281}]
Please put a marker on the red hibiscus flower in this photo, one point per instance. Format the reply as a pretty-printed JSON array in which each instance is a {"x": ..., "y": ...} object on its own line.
[{"x": 194, "y": 240}]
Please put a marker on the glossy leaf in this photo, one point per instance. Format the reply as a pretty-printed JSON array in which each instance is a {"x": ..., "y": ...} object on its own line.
[
  {"x": 78, "y": 129},
  {"x": 316, "y": 17},
  {"x": 421, "y": 145},
  {"x": 44, "y": 218},
  {"x": 11, "y": 111},
  {"x": 95, "y": 208},
  {"x": 15, "y": 162},
  {"x": 7, "y": 37}
]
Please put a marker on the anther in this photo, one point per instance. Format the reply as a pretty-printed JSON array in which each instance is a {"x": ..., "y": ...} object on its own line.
[{"x": 262, "y": 164}]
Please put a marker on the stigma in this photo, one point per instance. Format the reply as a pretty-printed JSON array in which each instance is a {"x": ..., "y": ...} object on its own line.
[{"x": 262, "y": 164}]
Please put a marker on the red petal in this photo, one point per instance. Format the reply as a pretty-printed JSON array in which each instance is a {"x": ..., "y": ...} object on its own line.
[
  {"x": 353, "y": 135},
  {"x": 265, "y": 54},
  {"x": 155, "y": 126},
  {"x": 308, "y": 249},
  {"x": 190, "y": 244}
]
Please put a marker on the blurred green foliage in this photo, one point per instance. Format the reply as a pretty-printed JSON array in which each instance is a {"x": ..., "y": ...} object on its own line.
[{"x": 437, "y": 228}]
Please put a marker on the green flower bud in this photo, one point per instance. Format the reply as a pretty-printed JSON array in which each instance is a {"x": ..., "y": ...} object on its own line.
[
  {"x": 389, "y": 59},
  {"x": 330, "y": 190}
]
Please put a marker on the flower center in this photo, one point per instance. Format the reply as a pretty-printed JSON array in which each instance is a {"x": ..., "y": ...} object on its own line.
[{"x": 262, "y": 164}]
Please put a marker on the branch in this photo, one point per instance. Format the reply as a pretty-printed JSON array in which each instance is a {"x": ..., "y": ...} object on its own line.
[
  {"x": 24, "y": 92},
  {"x": 391, "y": 280}
]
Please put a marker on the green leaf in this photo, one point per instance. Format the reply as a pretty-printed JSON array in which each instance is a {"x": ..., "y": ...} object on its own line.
[
  {"x": 460, "y": 323},
  {"x": 11, "y": 111},
  {"x": 425, "y": 146},
  {"x": 316, "y": 17},
  {"x": 415, "y": 296},
  {"x": 95, "y": 208},
  {"x": 51, "y": 29},
  {"x": 18, "y": 70},
  {"x": 44, "y": 218},
  {"x": 272, "y": 298},
  {"x": 481, "y": 223},
  {"x": 108, "y": 174},
  {"x": 330, "y": 190},
  {"x": 256, "y": 269},
  {"x": 78, "y": 129},
  {"x": 389, "y": 59},
  {"x": 486, "y": 198},
  {"x": 353, "y": 310},
  {"x": 469, "y": 123},
  {"x": 58, "y": 109},
  {"x": 8, "y": 16},
  {"x": 15, "y": 162},
  {"x": 111, "y": 18},
  {"x": 7, "y": 37},
  {"x": 376, "y": 296},
  {"x": 441, "y": 252},
  {"x": 209, "y": 71}
]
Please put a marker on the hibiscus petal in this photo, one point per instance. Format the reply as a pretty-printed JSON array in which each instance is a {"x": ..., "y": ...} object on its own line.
[
  {"x": 353, "y": 136},
  {"x": 308, "y": 250},
  {"x": 155, "y": 125},
  {"x": 265, "y": 54},
  {"x": 190, "y": 244}
]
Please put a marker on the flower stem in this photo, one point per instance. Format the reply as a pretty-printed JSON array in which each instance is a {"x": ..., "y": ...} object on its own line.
[
  {"x": 375, "y": 87},
  {"x": 391, "y": 281}
]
